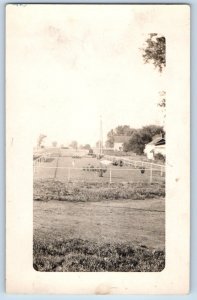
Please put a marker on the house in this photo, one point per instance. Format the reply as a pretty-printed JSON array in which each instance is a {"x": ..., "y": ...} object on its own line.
[
  {"x": 157, "y": 145},
  {"x": 119, "y": 141}
]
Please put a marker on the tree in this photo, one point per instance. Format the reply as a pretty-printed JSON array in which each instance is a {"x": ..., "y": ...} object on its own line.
[
  {"x": 90, "y": 151},
  {"x": 141, "y": 137},
  {"x": 87, "y": 147},
  {"x": 152, "y": 130},
  {"x": 137, "y": 142},
  {"x": 110, "y": 139},
  {"x": 74, "y": 145},
  {"x": 119, "y": 130},
  {"x": 154, "y": 51},
  {"x": 124, "y": 130},
  {"x": 40, "y": 139},
  {"x": 54, "y": 144}
]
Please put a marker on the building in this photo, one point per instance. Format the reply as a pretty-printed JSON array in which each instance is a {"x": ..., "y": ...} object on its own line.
[
  {"x": 156, "y": 146},
  {"x": 119, "y": 141}
]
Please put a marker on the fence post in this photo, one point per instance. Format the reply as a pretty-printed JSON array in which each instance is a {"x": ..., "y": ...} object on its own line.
[
  {"x": 151, "y": 173},
  {"x": 110, "y": 176},
  {"x": 68, "y": 174}
]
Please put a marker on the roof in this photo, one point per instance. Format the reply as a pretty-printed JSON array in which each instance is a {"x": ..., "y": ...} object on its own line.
[
  {"x": 157, "y": 141},
  {"x": 121, "y": 138}
]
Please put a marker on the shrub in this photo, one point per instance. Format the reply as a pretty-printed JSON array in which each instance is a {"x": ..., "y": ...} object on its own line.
[{"x": 160, "y": 157}]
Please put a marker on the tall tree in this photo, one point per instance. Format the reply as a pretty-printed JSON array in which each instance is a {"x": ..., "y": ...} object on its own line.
[
  {"x": 40, "y": 139},
  {"x": 74, "y": 145},
  {"x": 123, "y": 130},
  {"x": 152, "y": 130},
  {"x": 110, "y": 138},
  {"x": 87, "y": 147},
  {"x": 137, "y": 142},
  {"x": 119, "y": 130},
  {"x": 154, "y": 51}
]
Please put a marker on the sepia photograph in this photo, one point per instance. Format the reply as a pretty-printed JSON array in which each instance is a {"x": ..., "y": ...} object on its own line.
[
  {"x": 99, "y": 155},
  {"x": 95, "y": 86}
]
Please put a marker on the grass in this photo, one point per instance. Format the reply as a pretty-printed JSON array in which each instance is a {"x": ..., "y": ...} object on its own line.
[
  {"x": 66, "y": 172},
  {"x": 46, "y": 190},
  {"x": 77, "y": 255},
  {"x": 121, "y": 235},
  {"x": 97, "y": 226}
]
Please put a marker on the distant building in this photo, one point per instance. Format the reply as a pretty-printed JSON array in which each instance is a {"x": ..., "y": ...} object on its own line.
[
  {"x": 119, "y": 141},
  {"x": 157, "y": 145}
]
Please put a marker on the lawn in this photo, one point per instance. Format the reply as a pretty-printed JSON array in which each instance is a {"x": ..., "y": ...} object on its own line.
[
  {"x": 82, "y": 222},
  {"x": 91, "y": 228}
]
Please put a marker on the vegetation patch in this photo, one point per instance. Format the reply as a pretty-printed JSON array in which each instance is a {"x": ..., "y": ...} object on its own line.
[
  {"x": 46, "y": 190},
  {"x": 77, "y": 255}
]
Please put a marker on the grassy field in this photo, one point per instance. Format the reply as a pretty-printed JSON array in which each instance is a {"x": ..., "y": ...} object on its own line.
[
  {"x": 85, "y": 227},
  {"x": 82, "y": 222},
  {"x": 121, "y": 235}
]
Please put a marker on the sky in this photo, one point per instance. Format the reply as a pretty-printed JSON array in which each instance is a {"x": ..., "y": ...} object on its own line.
[{"x": 72, "y": 64}]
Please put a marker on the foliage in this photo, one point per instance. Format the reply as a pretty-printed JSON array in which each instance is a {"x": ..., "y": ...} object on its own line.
[
  {"x": 77, "y": 255},
  {"x": 124, "y": 130},
  {"x": 90, "y": 152},
  {"x": 87, "y": 147},
  {"x": 137, "y": 142},
  {"x": 154, "y": 51},
  {"x": 40, "y": 139},
  {"x": 160, "y": 157},
  {"x": 119, "y": 130},
  {"x": 74, "y": 145},
  {"x": 162, "y": 102},
  {"x": 141, "y": 137},
  {"x": 152, "y": 130},
  {"x": 110, "y": 139},
  {"x": 55, "y": 190}
]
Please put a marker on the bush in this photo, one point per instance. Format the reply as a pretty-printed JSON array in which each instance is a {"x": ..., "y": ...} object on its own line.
[
  {"x": 159, "y": 157},
  {"x": 90, "y": 152}
]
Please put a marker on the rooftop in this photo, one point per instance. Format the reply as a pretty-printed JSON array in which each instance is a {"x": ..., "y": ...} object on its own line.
[{"x": 157, "y": 141}]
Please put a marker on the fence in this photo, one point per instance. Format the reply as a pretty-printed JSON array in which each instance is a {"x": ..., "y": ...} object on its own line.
[
  {"x": 136, "y": 163},
  {"x": 57, "y": 168}
]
